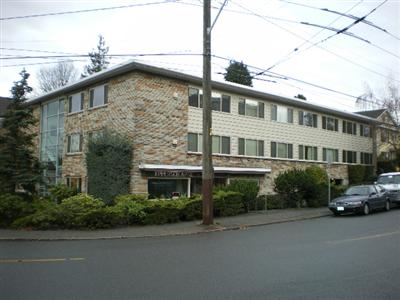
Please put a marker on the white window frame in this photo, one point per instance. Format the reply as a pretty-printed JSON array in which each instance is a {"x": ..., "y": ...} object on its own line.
[
  {"x": 244, "y": 108},
  {"x": 281, "y": 113},
  {"x": 75, "y": 103},
  {"x": 244, "y": 147},
  {"x": 74, "y": 143},
  {"x": 98, "y": 96}
]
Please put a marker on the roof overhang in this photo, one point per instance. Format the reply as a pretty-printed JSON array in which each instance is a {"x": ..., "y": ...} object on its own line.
[{"x": 197, "y": 169}]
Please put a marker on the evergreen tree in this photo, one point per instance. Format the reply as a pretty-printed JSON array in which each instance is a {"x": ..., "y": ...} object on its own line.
[
  {"x": 99, "y": 59},
  {"x": 18, "y": 165},
  {"x": 237, "y": 72}
]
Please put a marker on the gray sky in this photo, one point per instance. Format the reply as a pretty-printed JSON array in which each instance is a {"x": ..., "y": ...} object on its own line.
[{"x": 262, "y": 34}]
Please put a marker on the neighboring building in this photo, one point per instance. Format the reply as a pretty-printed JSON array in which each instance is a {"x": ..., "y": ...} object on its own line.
[
  {"x": 4, "y": 103},
  {"x": 255, "y": 135},
  {"x": 387, "y": 134}
]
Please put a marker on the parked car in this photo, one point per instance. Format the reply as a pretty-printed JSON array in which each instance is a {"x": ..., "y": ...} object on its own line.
[
  {"x": 391, "y": 183},
  {"x": 361, "y": 199}
]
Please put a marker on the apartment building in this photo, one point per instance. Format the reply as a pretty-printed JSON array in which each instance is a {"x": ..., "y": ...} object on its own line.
[{"x": 255, "y": 135}]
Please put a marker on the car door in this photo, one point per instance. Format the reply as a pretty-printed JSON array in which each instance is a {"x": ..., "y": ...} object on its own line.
[
  {"x": 382, "y": 195},
  {"x": 374, "y": 197}
]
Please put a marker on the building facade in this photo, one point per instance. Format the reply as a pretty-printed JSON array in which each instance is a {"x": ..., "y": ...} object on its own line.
[{"x": 255, "y": 135}]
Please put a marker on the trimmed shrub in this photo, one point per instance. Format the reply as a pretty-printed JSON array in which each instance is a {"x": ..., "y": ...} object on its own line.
[
  {"x": 12, "y": 207},
  {"x": 59, "y": 192},
  {"x": 46, "y": 215},
  {"x": 228, "y": 203},
  {"x": 130, "y": 209},
  {"x": 192, "y": 210},
  {"x": 274, "y": 201},
  {"x": 75, "y": 211},
  {"x": 162, "y": 211},
  {"x": 248, "y": 188},
  {"x": 359, "y": 174}
]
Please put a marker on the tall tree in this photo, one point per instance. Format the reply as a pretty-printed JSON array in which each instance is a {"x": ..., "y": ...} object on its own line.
[
  {"x": 51, "y": 78},
  {"x": 98, "y": 58},
  {"x": 389, "y": 99},
  {"x": 18, "y": 165},
  {"x": 237, "y": 72}
]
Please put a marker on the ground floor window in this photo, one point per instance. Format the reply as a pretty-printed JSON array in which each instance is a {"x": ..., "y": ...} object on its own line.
[
  {"x": 75, "y": 183},
  {"x": 167, "y": 188}
]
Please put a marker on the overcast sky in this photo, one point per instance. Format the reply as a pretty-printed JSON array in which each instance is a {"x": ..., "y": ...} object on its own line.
[{"x": 265, "y": 35}]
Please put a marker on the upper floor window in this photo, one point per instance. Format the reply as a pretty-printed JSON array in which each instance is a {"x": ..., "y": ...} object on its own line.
[
  {"x": 349, "y": 127},
  {"x": 330, "y": 155},
  {"x": 308, "y": 119},
  {"x": 98, "y": 96},
  {"x": 281, "y": 150},
  {"x": 330, "y": 123},
  {"x": 195, "y": 97},
  {"x": 251, "y": 108},
  {"x": 220, "y": 102},
  {"x": 281, "y": 114},
  {"x": 220, "y": 144},
  {"x": 308, "y": 152},
  {"x": 74, "y": 143},
  {"x": 365, "y": 130},
  {"x": 251, "y": 147},
  {"x": 75, "y": 102},
  {"x": 349, "y": 157}
]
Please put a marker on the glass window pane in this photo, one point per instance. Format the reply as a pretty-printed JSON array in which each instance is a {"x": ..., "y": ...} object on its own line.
[
  {"x": 241, "y": 146},
  {"x": 251, "y": 147},
  {"x": 216, "y": 144},
  {"x": 226, "y": 145},
  {"x": 215, "y": 101},
  {"x": 251, "y": 108},
  {"x": 282, "y": 150},
  {"x": 242, "y": 107},
  {"x": 52, "y": 108},
  {"x": 192, "y": 142},
  {"x": 193, "y": 97},
  {"x": 260, "y": 148},
  {"x": 226, "y": 103},
  {"x": 274, "y": 112}
]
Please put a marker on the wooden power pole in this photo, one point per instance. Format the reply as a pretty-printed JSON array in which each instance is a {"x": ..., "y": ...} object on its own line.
[{"x": 208, "y": 171}]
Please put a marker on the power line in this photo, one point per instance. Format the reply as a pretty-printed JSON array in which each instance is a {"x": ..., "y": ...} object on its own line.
[{"x": 86, "y": 10}]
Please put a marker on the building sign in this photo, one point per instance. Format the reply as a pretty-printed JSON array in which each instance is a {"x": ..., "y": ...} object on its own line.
[{"x": 170, "y": 173}]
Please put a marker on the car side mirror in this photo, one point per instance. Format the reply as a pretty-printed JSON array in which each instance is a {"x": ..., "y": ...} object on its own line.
[{"x": 372, "y": 194}]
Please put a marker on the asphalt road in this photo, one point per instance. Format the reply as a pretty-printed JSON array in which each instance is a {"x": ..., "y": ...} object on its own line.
[{"x": 348, "y": 257}]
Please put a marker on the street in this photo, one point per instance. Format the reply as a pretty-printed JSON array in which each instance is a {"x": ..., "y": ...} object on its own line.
[{"x": 347, "y": 257}]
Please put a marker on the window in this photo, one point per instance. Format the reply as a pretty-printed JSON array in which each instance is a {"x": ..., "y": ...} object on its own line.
[
  {"x": 74, "y": 143},
  {"x": 365, "y": 130},
  {"x": 308, "y": 152},
  {"x": 251, "y": 108},
  {"x": 75, "y": 183},
  {"x": 349, "y": 127},
  {"x": 366, "y": 158},
  {"x": 195, "y": 142},
  {"x": 220, "y": 102},
  {"x": 221, "y": 144},
  {"x": 281, "y": 114},
  {"x": 98, "y": 96},
  {"x": 349, "y": 157},
  {"x": 93, "y": 135},
  {"x": 308, "y": 119},
  {"x": 329, "y": 123},
  {"x": 251, "y": 147},
  {"x": 75, "y": 102},
  {"x": 330, "y": 155},
  {"x": 281, "y": 150}
]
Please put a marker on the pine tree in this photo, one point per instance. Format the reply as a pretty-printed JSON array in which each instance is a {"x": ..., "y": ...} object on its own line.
[
  {"x": 237, "y": 72},
  {"x": 18, "y": 165},
  {"x": 99, "y": 59}
]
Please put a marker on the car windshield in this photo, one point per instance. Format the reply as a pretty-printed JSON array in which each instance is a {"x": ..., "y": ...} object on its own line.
[
  {"x": 357, "y": 190},
  {"x": 389, "y": 179}
]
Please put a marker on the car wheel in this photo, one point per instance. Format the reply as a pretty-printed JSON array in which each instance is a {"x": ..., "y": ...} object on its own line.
[
  {"x": 366, "y": 209},
  {"x": 387, "y": 205}
]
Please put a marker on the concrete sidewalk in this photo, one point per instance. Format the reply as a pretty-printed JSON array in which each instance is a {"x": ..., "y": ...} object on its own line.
[{"x": 183, "y": 228}]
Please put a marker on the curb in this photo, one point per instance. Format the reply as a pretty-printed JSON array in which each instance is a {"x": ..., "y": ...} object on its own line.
[{"x": 199, "y": 229}]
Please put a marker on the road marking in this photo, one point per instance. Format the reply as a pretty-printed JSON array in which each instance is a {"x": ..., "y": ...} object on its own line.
[
  {"x": 39, "y": 260},
  {"x": 367, "y": 237}
]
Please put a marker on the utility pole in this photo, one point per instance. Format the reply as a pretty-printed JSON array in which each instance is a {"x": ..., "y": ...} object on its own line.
[{"x": 208, "y": 171}]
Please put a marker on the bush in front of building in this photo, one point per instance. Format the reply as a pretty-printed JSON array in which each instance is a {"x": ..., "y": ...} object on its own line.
[
  {"x": 248, "y": 189},
  {"x": 360, "y": 174},
  {"x": 12, "y": 207},
  {"x": 228, "y": 203},
  {"x": 108, "y": 161},
  {"x": 59, "y": 192},
  {"x": 300, "y": 188}
]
